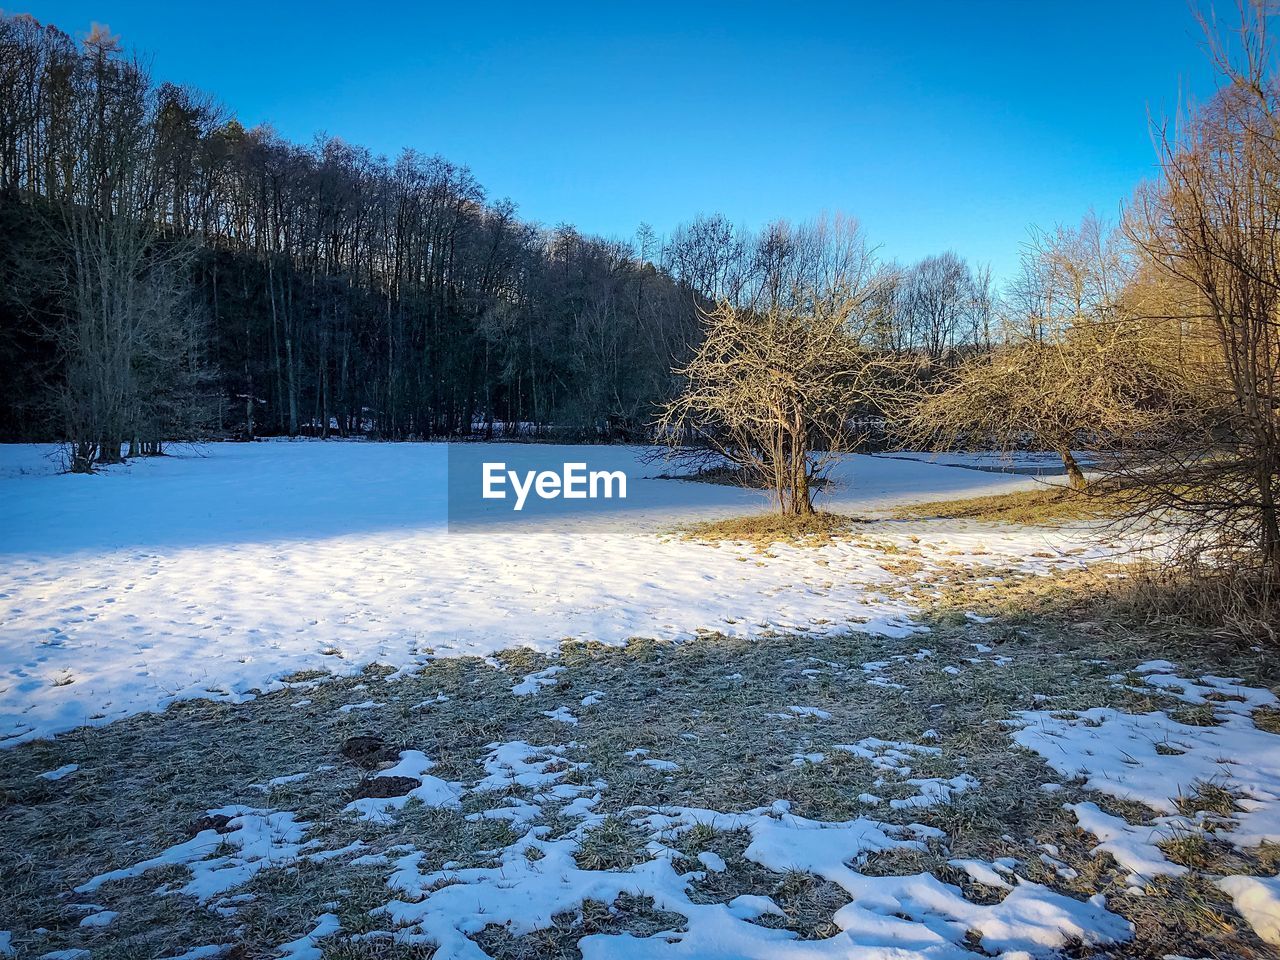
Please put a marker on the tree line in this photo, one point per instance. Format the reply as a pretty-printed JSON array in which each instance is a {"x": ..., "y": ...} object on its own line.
[
  {"x": 166, "y": 273},
  {"x": 322, "y": 290}
]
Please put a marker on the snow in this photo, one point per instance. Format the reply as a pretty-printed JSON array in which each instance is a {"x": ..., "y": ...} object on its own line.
[
  {"x": 1134, "y": 848},
  {"x": 534, "y": 682},
  {"x": 890, "y": 755},
  {"x": 562, "y": 715},
  {"x": 810, "y": 712},
  {"x": 261, "y": 838},
  {"x": 982, "y": 872},
  {"x": 528, "y": 884},
  {"x": 933, "y": 791},
  {"x": 519, "y": 764},
  {"x": 102, "y": 918},
  {"x": 365, "y": 705},
  {"x": 304, "y": 948},
  {"x": 284, "y": 779},
  {"x": 665, "y": 766},
  {"x": 1153, "y": 759},
  {"x": 537, "y": 878},
  {"x": 431, "y": 791},
  {"x": 219, "y": 571},
  {"x": 1257, "y": 899},
  {"x": 63, "y": 771},
  {"x": 712, "y": 861}
]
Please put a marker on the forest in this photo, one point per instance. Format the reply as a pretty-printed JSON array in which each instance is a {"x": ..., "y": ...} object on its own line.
[{"x": 316, "y": 289}]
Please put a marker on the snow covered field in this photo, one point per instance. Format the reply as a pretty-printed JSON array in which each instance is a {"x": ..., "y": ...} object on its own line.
[
  {"x": 218, "y": 571},
  {"x": 821, "y": 768}
]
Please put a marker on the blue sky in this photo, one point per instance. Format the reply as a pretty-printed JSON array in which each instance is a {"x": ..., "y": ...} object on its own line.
[{"x": 939, "y": 125}]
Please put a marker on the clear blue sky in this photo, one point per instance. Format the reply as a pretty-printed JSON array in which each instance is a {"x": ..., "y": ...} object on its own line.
[{"x": 938, "y": 124}]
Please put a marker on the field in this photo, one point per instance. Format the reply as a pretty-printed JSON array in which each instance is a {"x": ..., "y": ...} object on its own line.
[{"x": 260, "y": 700}]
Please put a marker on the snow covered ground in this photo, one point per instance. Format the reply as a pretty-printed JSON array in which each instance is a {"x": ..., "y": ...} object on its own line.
[
  {"x": 219, "y": 570},
  {"x": 854, "y": 788}
]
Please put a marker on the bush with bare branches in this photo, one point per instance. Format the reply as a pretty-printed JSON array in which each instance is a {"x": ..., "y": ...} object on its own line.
[
  {"x": 1210, "y": 230},
  {"x": 779, "y": 373}
]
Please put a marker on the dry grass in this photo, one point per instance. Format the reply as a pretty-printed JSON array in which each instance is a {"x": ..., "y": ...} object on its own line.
[
  {"x": 1224, "y": 602},
  {"x": 765, "y": 530},
  {"x": 1048, "y": 505}
]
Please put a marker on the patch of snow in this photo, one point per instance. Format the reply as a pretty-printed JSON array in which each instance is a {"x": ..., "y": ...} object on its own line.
[
  {"x": 983, "y": 872},
  {"x": 890, "y": 755},
  {"x": 561, "y": 714},
  {"x": 810, "y": 712},
  {"x": 519, "y": 764},
  {"x": 102, "y": 918},
  {"x": 712, "y": 861},
  {"x": 1257, "y": 899},
  {"x": 63, "y": 771},
  {"x": 913, "y": 915},
  {"x": 117, "y": 584},
  {"x": 534, "y": 682},
  {"x": 431, "y": 791},
  {"x": 430, "y": 702},
  {"x": 933, "y": 791},
  {"x": 281, "y": 781},
  {"x": 666, "y": 766},
  {"x": 1153, "y": 759},
  {"x": 305, "y": 947},
  {"x": 260, "y": 839},
  {"x": 1134, "y": 848}
]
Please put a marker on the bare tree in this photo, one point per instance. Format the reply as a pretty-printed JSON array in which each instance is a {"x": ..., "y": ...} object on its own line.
[
  {"x": 1077, "y": 368},
  {"x": 773, "y": 386},
  {"x": 1092, "y": 387},
  {"x": 130, "y": 339},
  {"x": 344, "y": 292},
  {"x": 936, "y": 298},
  {"x": 1210, "y": 228}
]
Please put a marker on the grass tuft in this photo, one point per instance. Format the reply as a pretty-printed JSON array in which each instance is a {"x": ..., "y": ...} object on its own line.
[{"x": 765, "y": 530}]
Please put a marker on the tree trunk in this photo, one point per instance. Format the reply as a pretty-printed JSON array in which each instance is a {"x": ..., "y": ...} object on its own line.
[
  {"x": 109, "y": 451},
  {"x": 1270, "y": 524},
  {"x": 83, "y": 455},
  {"x": 1074, "y": 474},
  {"x": 801, "y": 495}
]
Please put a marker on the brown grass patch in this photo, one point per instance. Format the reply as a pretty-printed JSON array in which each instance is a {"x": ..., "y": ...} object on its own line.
[
  {"x": 1049, "y": 505},
  {"x": 765, "y": 530}
]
